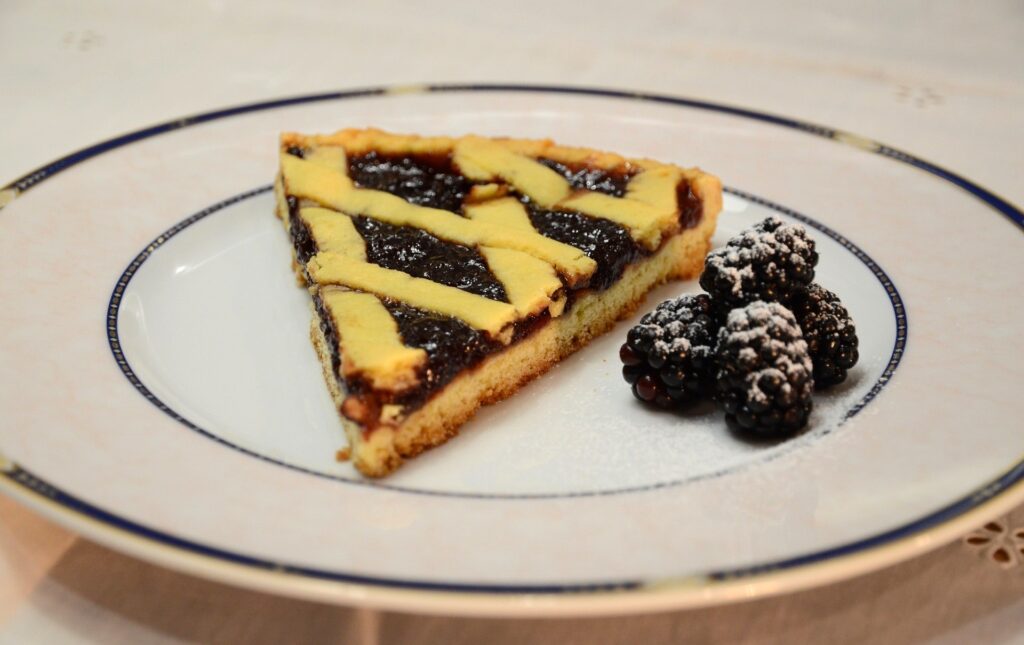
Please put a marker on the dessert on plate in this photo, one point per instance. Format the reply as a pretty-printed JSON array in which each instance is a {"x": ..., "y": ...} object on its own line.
[{"x": 445, "y": 273}]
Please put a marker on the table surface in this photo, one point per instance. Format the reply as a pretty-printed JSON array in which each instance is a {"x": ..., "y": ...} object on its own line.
[{"x": 941, "y": 79}]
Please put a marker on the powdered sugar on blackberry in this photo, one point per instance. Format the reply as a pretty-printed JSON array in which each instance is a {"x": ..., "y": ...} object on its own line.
[
  {"x": 769, "y": 334},
  {"x": 736, "y": 277},
  {"x": 764, "y": 262},
  {"x": 672, "y": 325},
  {"x": 830, "y": 334},
  {"x": 677, "y": 343},
  {"x": 668, "y": 359}
]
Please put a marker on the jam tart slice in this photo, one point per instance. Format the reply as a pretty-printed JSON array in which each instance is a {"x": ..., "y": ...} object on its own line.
[{"x": 446, "y": 273}]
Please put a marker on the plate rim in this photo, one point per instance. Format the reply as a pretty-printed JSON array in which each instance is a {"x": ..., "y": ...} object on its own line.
[
  {"x": 675, "y": 594},
  {"x": 858, "y": 557}
]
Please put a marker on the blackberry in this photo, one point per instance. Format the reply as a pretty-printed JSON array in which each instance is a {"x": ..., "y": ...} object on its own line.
[
  {"x": 668, "y": 358},
  {"x": 830, "y": 334},
  {"x": 771, "y": 261},
  {"x": 765, "y": 377}
]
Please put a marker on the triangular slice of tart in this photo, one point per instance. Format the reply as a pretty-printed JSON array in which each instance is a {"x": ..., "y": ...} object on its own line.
[{"x": 446, "y": 273}]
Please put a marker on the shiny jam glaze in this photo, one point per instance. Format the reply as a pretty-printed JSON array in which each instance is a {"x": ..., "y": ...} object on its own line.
[
  {"x": 690, "y": 208},
  {"x": 424, "y": 180},
  {"x": 605, "y": 242},
  {"x": 420, "y": 254},
  {"x": 609, "y": 182}
]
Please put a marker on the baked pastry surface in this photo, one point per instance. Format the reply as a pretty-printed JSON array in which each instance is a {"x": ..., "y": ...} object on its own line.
[{"x": 445, "y": 273}]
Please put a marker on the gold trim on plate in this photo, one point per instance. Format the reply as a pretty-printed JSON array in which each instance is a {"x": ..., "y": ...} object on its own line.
[
  {"x": 7, "y": 196},
  {"x": 6, "y": 465}
]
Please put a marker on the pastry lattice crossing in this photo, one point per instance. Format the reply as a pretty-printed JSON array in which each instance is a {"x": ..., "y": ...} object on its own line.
[{"x": 446, "y": 273}]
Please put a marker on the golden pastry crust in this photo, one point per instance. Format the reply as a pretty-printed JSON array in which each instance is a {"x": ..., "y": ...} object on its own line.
[{"x": 381, "y": 434}]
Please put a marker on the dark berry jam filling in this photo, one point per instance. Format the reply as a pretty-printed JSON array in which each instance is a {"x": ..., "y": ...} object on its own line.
[
  {"x": 327, "y": 327},
  {"x": 424, "y": 180},
  {"x": 302, "y": 239},
  {"x": 609, "y": 182},
  {"x": 420, "y": 254},
  {"x": 605, "y": 242},
  {"x": 451, "y": 346},
  {"x": 690, "y": 208}
]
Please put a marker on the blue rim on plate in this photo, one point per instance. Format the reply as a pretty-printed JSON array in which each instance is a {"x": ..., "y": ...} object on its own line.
[
  {"x": 24, "y": 482},
  {"x": 114, "y": 341}
]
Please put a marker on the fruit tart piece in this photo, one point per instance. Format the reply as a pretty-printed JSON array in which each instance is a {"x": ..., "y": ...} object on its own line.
[{"x": 446, "y": 273}]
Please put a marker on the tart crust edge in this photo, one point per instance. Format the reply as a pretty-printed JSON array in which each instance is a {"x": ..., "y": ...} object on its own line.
[{"x": 382, "y": 450}]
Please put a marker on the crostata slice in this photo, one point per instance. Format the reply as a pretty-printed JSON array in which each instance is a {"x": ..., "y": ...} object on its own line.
[{"x": 446, "y": 273}]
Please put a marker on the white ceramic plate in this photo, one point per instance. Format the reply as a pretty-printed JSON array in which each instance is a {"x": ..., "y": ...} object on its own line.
[{"x": 158, "y": 392}]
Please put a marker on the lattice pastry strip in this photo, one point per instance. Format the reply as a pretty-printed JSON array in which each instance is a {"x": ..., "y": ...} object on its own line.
[
  {"x": 332, "y": 188},
  {"x": 371, "y": 346},
  {"x": 530, "y": 283},
  {"x": 493, "y": 317},
  {"x": 648, "y": 210},
  {"x": 334, "y": 232},
  {"x": 506, "y": 211},
  {"x": 484, "y": 160}
]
